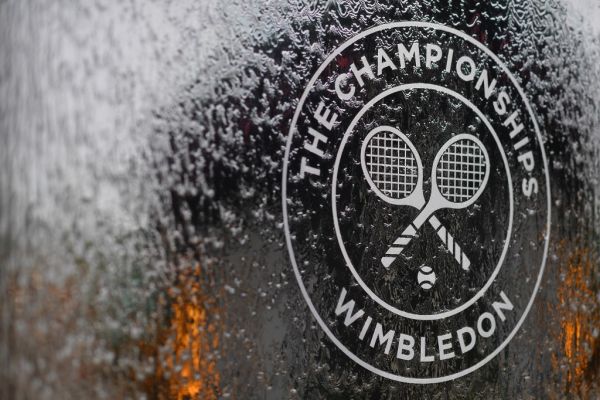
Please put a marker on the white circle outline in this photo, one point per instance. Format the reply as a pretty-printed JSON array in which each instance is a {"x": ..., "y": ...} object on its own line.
[
  {"x": 363, "y": 285},
  {"x": 288, "y": 238}
]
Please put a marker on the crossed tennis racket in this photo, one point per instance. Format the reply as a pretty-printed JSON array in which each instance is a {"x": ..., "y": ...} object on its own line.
[{"x": 393, "y": 169}]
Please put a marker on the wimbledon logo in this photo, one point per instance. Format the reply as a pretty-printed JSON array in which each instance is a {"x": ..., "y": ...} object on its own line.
[{"x": 416, "y": 201}]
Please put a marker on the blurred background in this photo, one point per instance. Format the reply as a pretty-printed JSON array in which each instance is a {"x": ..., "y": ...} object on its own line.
[{"x": 141, "y": 245}]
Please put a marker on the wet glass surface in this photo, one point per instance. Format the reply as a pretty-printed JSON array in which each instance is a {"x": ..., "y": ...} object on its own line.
[{"x": 142, "y": 252}]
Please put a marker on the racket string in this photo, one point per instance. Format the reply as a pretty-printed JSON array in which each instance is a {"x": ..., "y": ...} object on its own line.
[
  {"x": 461, "y": 171},
  {"x": 392, "y": 165}
]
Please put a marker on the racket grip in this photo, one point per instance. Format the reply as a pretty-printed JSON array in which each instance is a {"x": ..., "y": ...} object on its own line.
[
  {"x": 398, "y": 246},
  {"x": 450, "y": 243}
]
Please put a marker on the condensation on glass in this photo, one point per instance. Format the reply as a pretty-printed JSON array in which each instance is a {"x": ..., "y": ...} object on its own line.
[{"x": 141, "y": 243}]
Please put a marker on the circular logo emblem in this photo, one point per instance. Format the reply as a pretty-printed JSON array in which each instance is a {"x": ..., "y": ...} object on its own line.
[{"x": 416, "y": 201}]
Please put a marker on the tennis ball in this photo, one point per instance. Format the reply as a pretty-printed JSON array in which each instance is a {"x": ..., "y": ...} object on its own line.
[{"x": 426, "y": 277}]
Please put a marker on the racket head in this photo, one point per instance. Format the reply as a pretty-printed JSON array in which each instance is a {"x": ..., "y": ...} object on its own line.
[
  {"x": 460, "y": 172},
  {"x": 392, "y": 167}
]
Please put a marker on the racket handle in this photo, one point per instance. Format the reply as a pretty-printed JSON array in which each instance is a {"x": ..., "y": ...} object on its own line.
[
  {"x": 410, "y": 232},
  {"x": 450, "y": 243},
  {"x": 399, "y": 245}
]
